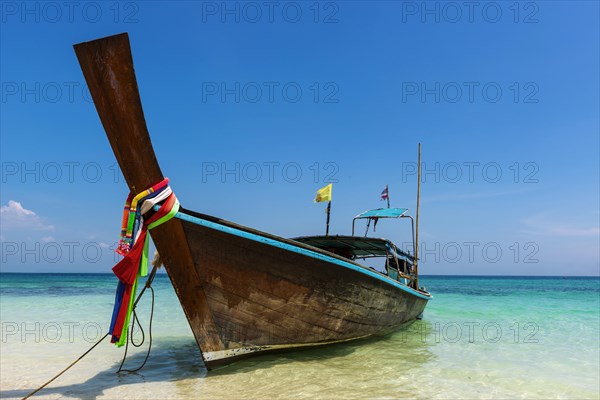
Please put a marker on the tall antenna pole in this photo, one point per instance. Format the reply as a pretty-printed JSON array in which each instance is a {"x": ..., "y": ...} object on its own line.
[{"x": 417, "y": 221}]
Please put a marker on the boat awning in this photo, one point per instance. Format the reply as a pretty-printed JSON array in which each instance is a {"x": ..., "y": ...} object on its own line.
[
  {"x": 355, "y": 246},
  {"x": 383, "y": 213}
]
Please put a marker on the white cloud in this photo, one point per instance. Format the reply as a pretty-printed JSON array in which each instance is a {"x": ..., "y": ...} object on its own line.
[
  {"x": 570, "y": 231},
  {"x": 15, "y": 216},
  {"x": 48, "y": 239},
  {"x": 542, "y": 225}
]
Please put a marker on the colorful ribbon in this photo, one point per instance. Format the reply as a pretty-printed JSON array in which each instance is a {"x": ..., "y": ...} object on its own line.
[{"x": 134, "y": 247}]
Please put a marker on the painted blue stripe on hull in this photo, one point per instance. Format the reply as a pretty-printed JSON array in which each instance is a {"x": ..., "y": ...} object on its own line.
[{"x": 299, "y": 250}]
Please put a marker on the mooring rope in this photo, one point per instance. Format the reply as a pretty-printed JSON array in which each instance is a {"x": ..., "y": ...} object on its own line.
[
  {"x": 147, "y": 286},
  {"x": 66, "y": 369}
]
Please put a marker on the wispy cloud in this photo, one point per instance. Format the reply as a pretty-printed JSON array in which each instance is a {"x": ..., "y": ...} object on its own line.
[
  {"x": 15, "y": 216},
  {"x": 571, "y": 231},
  {"x": 541, "y": 225}
]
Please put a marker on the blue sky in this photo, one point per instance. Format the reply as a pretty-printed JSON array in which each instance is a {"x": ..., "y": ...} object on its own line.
[{"x": 504, "y": 98}]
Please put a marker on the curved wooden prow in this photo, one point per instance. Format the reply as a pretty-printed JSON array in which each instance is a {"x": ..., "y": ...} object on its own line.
[{"x": 107, "y": 65}]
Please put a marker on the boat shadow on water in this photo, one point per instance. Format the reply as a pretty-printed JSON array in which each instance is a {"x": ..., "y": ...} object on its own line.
[{"x": 178, "y": 360}]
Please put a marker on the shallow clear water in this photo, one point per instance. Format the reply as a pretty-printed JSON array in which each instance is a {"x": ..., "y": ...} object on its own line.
[{"x": 481, "y": 337}]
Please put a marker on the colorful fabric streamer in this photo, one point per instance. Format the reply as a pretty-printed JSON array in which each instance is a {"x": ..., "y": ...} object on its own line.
[{"x": 134, "y": 247}]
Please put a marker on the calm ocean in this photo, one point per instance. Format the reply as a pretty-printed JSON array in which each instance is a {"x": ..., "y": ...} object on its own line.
[{"x": 481, "y": 337}]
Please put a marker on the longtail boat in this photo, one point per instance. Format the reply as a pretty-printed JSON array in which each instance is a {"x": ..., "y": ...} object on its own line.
[{"x": 245, "y": 292}]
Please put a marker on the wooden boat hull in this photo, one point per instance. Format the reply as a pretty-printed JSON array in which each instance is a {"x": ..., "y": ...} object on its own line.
[
  {"x": 267, "y": 293},
  {"x": 243, "y": 291}
]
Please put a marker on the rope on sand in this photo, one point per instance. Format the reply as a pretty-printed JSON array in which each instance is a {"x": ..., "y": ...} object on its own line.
[{"x": 66, "y": 369}]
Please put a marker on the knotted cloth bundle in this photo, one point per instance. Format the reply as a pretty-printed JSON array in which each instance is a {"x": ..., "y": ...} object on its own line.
[{"x": 138, "y": 218}]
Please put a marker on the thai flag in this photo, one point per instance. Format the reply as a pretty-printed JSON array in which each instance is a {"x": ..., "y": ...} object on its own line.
[{"x": 384, "y": 194}]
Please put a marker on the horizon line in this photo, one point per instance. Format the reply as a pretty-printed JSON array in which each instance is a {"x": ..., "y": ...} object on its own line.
[{"x": 422, "y": 275}]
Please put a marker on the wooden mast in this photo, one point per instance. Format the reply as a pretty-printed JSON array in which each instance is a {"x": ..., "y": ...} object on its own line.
[
  {"x": 388, "y": 195},
  {"x": 328, "y": 215},
  {"x": 417, "y": 220},
  {"x": 107, "y": 65}
]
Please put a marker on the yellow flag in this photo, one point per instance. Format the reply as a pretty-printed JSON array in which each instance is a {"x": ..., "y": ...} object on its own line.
[{"x": 324, "y": 194}]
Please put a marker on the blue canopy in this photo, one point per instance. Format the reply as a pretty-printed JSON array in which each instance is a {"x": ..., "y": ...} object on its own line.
[{"x": 383, "y": 213}]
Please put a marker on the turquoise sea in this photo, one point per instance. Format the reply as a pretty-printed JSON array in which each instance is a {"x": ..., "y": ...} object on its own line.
[{"x": 481, "y": 337}]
